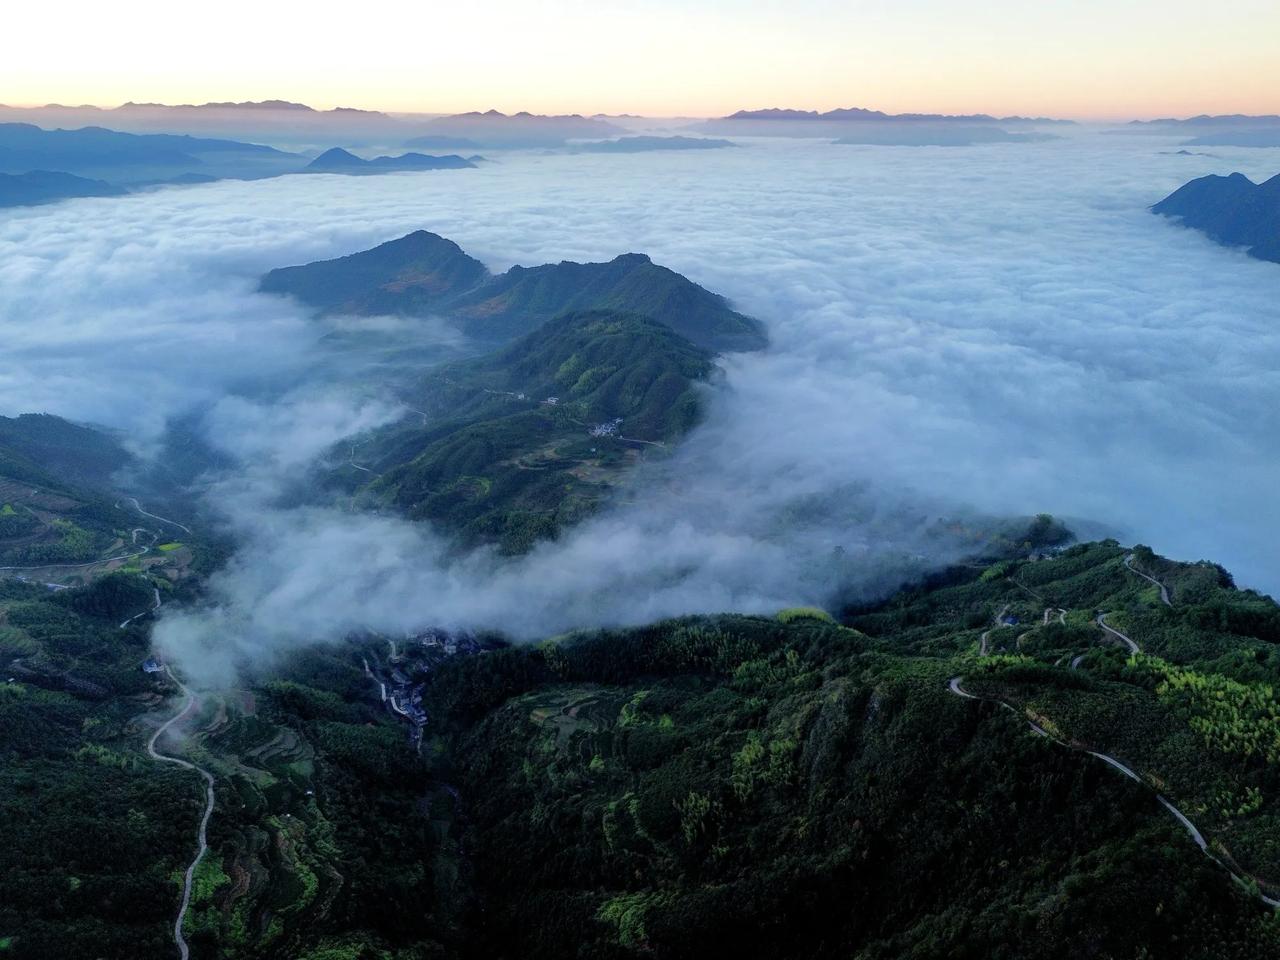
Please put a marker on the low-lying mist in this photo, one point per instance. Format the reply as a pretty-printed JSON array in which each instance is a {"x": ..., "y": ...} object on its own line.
[{"x": 999, "y": 329}]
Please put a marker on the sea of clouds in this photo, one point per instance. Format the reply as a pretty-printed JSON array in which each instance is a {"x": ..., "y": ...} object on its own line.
[{"x": 1002, "y": 329}]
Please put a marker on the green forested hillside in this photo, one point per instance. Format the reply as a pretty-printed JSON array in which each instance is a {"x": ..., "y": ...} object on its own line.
[
  {"x": 740, "y": 786},
  {"x": 785, "y": 786},
  {"x": 519, "y": 444},
  {"x": 56, "y": 452},
  {"x": 92, "y": 830}
]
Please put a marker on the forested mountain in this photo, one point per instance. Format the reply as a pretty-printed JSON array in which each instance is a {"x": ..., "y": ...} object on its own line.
[
  {"x": 64, "y": 452},
  {"x": 515, "y": 446},
  {"x": 798, "y": 788},
  {"x": 789, "y": 785},
  {"x": 1232, "y": 210},
  {"x": 414, "y": 275},
  {"x": 423, "y": 273}
]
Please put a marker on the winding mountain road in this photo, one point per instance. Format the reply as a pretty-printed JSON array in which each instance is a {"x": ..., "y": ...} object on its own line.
[
  {"x": 954, "y": 686},
  {"x": 137, "y": 506},
  {"x": 202, "y": 843},
  {"x": 151, "y": 609},
  {"x": 982, "y": 641},
  {"x": 1164, "y": 592},
  {"x": 1102, "y": 622}
]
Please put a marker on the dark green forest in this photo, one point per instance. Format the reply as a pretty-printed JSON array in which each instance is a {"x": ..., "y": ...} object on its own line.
[{"x": 794, "y": 785}]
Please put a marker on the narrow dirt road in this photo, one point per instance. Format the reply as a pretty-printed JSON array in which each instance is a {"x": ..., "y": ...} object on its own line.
[{"x": 202, "y": 843}]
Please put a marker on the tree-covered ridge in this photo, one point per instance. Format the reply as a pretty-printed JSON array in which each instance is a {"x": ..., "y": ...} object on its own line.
[
  {"x": 56, "y": 452},
  {"x": 422, "y": 274},
  {"x": 789, "y": 786},
  {"x": 794, "y": 787},
  {"x": 515, "y": 446}
]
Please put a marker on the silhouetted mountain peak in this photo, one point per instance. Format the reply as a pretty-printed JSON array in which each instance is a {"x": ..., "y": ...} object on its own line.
[
  {"x": 424, "y": 273},
  {"x": 1232, "y": 210},
  {"x": 336, "y": 157}
]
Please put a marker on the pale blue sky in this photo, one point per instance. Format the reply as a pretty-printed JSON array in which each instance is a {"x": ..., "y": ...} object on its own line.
[{"x": 1079, "y": 58}]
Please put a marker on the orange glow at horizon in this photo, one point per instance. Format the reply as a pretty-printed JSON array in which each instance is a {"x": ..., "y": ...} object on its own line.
[{"x": 1086, "y": 59}]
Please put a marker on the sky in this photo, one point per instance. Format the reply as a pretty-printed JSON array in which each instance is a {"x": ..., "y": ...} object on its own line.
[
  {"x": 1000, "y": 329},
  {"x": 1082, "y": 59}
]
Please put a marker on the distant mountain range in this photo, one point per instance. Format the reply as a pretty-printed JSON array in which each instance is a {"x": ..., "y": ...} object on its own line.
[
  {"x": 44, "y": 186},
  {"x": 41, "y": 166},
  {"x": 424, "y": 274},
  {"x": 1224, "y": 130},
  {"x": 1232, "y": 210},
  {"x": 494, "y": 130},
  {"x": 1215, "y": 121},
  {"x": 338, "y": 160},
  {"x": 275, "y": 121},
  {"x": 859, "y": 114},
  {"x": 650, "y": 144},
  {"x": 125, "y": 158},
  {"x": 874, "y": 127}
]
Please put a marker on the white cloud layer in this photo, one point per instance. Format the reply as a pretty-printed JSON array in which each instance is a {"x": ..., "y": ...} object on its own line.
[{"x": 1001, "y": 327}]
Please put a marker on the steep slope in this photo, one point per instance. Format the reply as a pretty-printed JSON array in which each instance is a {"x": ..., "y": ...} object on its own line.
[
  {"x": 1232, "y": 210},
  {"x": 526, "y": 441},
  {"x": 70, "y": 452},
  {"x": 415, "y": 274},
  {"x": 424, "y": 273}
]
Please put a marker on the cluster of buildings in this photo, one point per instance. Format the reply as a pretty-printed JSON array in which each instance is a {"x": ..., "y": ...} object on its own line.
[
  {"x": 409, "y": 663},
  {"x": 607, "y": 429}
]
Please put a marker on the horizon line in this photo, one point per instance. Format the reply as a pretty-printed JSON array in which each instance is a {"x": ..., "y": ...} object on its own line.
[{"x": 1117, "y": 117}]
